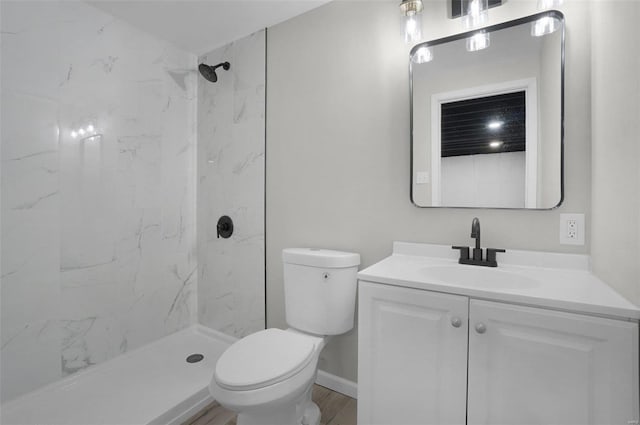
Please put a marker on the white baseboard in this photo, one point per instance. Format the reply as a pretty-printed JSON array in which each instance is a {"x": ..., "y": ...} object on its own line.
[{"x": 338, "y": 384}]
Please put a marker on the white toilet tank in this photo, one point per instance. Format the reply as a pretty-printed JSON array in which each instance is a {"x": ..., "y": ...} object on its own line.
[{"x": 320, "y": 289}]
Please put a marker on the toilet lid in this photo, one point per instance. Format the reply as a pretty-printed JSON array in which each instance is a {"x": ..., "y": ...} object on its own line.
[{"x": 262, "y": 359}]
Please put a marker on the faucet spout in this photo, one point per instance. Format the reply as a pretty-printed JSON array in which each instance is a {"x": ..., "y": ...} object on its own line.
[
  {"x": 476, "y": 257},
  {"x": 475, "y": 231}
]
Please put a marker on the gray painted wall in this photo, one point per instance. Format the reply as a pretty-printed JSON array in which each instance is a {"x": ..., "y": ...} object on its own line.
[
  {"x": 615, "y": 245},
  {"x": 338, "y": 145}
]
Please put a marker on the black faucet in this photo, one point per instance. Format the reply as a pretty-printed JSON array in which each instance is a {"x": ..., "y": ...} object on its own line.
[
  {"x": 475, "y": 234},
  {"x": 476, "y": 259}
]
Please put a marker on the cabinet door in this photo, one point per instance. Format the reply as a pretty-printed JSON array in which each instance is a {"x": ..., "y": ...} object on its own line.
[
  {"x": 412, "y": 356},
  {"x": 535, "y": 366}
]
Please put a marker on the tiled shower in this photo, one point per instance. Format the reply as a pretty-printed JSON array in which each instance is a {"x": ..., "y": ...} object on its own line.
[{"x": 108, "y": 136}]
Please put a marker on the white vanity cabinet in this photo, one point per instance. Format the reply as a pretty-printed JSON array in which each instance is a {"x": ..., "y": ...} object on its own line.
[
  {"x": 501, "y": 363},
  {"x": 539, "y": 366},
  {"x": 412, "y": 356}
]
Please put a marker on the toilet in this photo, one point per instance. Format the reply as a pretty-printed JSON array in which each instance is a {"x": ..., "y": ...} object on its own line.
[{"x": 267, "y": 377}]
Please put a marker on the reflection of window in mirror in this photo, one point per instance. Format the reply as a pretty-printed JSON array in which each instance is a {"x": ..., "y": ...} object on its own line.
[
  {"x": 484, "y": 150},
  {"x": 483, "y": 125}
]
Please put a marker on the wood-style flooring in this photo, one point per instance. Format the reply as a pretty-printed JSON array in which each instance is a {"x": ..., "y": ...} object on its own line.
[{"x": 335, "y": 408}]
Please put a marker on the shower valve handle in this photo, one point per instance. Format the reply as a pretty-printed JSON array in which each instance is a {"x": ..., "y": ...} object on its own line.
[{"x": 224, "y": 227}]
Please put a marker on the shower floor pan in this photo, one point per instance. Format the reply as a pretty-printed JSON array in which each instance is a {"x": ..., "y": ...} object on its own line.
[{"x": 153, "y": 384}]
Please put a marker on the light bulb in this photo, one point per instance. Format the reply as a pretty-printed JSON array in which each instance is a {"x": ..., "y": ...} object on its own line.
[
  {"x": 81, "y": 132},
  {"x": 545, "y": 25},
  {"x": 494, "y": 125},
  {"x": 477, "y": 14},
  {"x": 478, "y": 41},
  {"x": 495, "y": 144},
  {"x": 90, "y": 128},
  {"x": 422, "y": 55},
  {"x": 74, "y": 134}
]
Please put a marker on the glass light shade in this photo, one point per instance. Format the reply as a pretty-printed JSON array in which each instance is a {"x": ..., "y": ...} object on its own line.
[
  {"x": 549, "y": 4},
  {"x": 412, "y": 25},
  {"x": 478, "y": 41},
  {"x": 545, "y": 25},
  {"x": 422, "y": 55},
  {"x": 411, "y": 20},
  {"x": 477, "y": 14}
]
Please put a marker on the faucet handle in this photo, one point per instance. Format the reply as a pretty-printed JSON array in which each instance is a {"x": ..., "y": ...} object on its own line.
[
  {"x": 464, "y": 252},
  {"x": 491, "y": 256}
]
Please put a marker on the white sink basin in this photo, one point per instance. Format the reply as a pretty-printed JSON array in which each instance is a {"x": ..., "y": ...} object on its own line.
[{"x": 488, "y": 278}]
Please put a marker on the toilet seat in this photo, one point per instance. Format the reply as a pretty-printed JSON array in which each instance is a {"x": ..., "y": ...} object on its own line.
[{"x": 262, "y": 359}]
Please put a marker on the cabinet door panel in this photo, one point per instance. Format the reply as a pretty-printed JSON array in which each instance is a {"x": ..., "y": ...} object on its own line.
[
  {"x": 536, "y": 366},
  {"x": 411, "y": 359}
]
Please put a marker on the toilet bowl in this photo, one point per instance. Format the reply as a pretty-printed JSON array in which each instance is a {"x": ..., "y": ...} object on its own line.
[{"x": 267, "y": 377}]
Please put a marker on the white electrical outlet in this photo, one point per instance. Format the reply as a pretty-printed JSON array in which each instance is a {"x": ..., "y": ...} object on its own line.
[{"x": 572, "y": 229}]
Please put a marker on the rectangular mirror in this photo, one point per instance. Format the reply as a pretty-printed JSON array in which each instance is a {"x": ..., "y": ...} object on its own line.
[{"x": 487, "y": 116}]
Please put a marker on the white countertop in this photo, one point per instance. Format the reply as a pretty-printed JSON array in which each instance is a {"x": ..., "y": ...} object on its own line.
[{"x": 551, "y": 280}]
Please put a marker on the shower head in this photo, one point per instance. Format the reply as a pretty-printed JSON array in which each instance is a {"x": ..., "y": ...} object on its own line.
[{"x": 209, "y": 72}]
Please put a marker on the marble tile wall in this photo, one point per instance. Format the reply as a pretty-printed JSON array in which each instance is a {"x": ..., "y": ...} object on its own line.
[
  {"x": 98, "y": 233},
  {"x": 231, "y": 154}
]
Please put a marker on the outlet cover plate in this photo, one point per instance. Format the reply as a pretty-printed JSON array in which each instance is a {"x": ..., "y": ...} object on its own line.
[{"x": 572, "y": 229}]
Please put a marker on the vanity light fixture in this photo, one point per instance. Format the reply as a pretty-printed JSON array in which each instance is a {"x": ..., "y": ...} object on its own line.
[
  {"x": 411, "y": 20},
  {"x": 422, "y": 55},
  {"x": 546, "y": 24}
]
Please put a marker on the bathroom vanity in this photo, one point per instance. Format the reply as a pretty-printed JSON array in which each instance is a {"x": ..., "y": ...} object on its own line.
[{"x": 537, "y": 340}]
